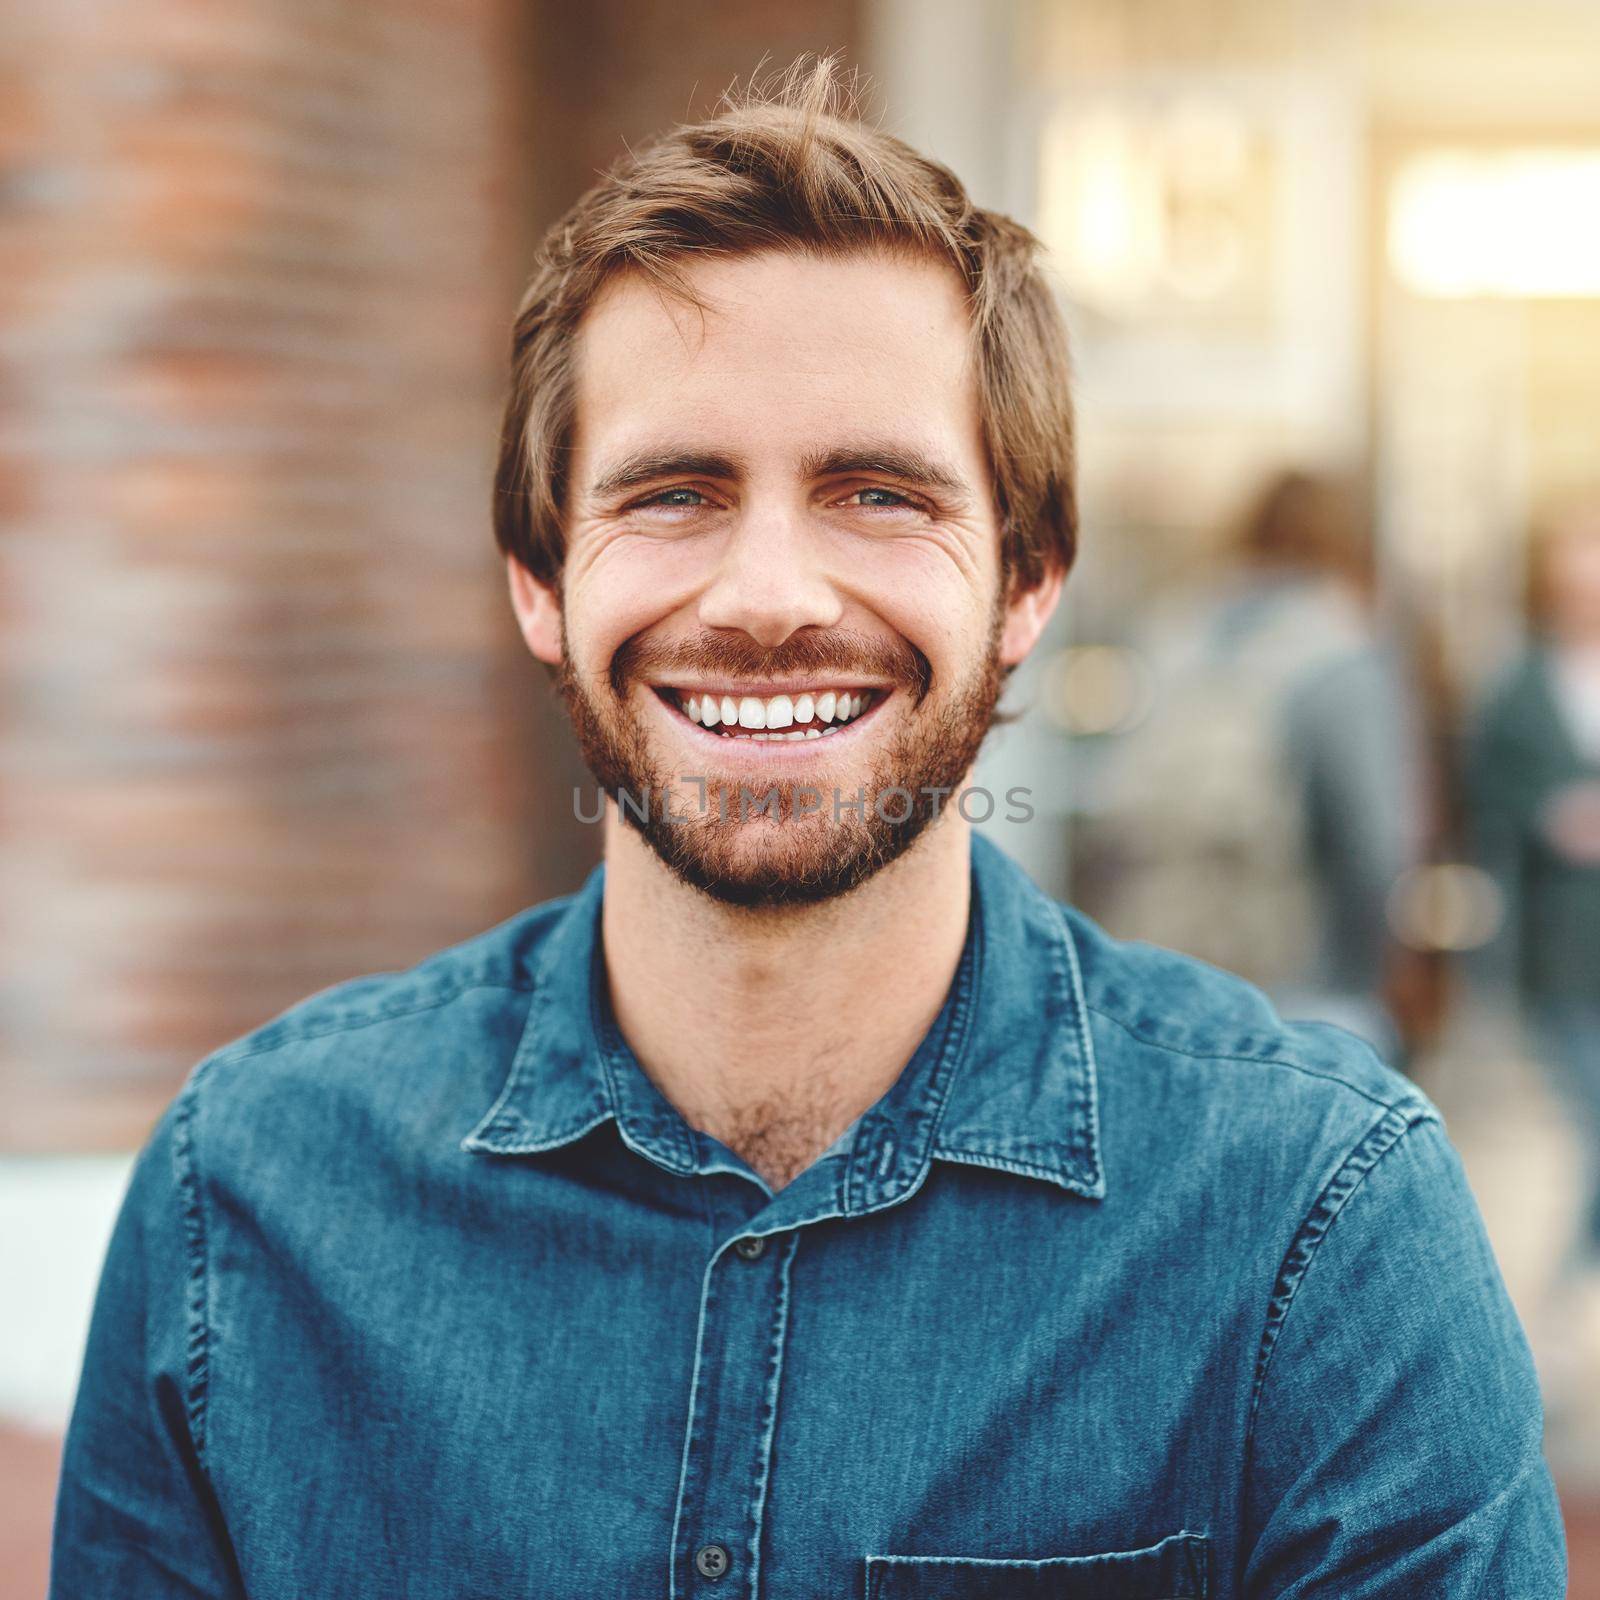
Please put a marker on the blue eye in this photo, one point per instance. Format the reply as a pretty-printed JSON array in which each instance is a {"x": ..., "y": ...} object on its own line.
[
  {"x": 671, "y": 498},
  {"x": 890, "y": 501}
]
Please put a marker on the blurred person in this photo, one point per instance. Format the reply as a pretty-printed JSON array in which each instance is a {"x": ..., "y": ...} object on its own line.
[
  {"x": 809, "y": 1205},
  {"x": 1277, "y": 771},
  {"x": 1534, "y": 788}
]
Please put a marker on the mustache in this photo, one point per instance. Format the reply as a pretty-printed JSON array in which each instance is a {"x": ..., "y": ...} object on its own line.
[{"x": 836, "y": 652}]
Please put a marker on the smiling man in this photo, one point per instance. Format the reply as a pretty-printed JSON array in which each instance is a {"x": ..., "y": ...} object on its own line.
[{"x": 809, "y": 1207}]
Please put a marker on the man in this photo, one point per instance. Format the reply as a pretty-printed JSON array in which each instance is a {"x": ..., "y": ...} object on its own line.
[{"x": 808, "y": 1207}]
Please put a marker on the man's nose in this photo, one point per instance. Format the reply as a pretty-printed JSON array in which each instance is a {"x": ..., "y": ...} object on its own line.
[{"x": 770, "y": 582}]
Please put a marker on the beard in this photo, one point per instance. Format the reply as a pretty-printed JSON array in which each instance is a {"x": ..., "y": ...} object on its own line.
[{"x": 808, "y": 844}]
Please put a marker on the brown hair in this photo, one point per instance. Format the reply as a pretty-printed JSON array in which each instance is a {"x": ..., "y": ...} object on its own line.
[
  {"x": 1573, "y": 513},
  {"x": 1308, "y": 520},
  {"x": 790, "y": 165}
]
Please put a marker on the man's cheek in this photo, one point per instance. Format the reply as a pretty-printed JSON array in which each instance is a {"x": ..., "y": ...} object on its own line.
[
  {"x": 591, "y": 649},
  {"x": 635, "y": 582}
]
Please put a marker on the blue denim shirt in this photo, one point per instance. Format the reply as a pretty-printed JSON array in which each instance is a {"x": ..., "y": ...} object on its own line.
[{"x": 1126, "y": 1289}]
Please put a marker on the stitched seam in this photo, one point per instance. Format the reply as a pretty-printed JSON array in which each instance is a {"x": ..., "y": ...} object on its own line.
[
  {"x": 1336, "y": 1194},
  {"x": 615, "y": 1055},
  {"x": 248, "y": 1048},
  {"x": 944, "y": 1073},
  {"x": 956, "y": 1050},
  {"x": 708, "y": 1286},
  {"x": 475, "y": 1145},
  {"x": 1187, "y": 1543},
  {"x": 1085, "y": 1043},
  {"x": 1018, "y": 1149},
  {"x": 197, "y": 1289},
  {"x": 656, "y": 1127},
  {"x": 769, "y": 1421},
  {"x": 1261, "y": 1060},
  {"x": 968, "y": 1157},
  {"x": 491, "y": 1121}
]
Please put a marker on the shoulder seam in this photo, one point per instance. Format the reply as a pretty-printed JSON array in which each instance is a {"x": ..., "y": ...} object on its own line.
[
  {"x": 1384, "y": 1134},
  {"x": 253, "y": 1044},
  {"x": 1267, "y": 1059},
  {"x": 197, "y": 1286}
]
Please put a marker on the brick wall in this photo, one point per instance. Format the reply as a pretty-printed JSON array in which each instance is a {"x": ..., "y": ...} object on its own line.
[{"x": 256, "y": 268}]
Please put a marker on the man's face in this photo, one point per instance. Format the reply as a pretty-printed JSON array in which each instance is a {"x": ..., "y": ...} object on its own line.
[{"x": 782, "y": 580}]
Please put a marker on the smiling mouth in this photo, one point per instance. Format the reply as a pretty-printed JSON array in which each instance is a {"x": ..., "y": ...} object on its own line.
[{"x": 808, "y": 715}]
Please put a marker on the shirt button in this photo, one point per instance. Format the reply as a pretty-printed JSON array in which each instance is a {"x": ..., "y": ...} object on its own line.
[
  {"x": 750, "y": 1248},
  {"x": 711, "y": 1561}
]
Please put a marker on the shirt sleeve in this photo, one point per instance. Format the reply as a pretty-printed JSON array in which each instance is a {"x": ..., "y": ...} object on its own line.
[
  {"x": 1397, "y": 1437},
  {"x": 135, "y": 1513}
]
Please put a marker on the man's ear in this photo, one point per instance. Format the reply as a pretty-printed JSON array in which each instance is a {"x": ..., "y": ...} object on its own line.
[
  {"x": 1027, "y": 612},
  {"x": 538, "y": 609}
]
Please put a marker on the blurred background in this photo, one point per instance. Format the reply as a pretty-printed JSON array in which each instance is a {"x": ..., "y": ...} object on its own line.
[{"x": 1324, "y": 705}]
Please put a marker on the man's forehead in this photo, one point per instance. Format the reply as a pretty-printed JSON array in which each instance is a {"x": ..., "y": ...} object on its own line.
[
  {"x": 799, "y": 288},
  {"x": 832, "y": 351}
]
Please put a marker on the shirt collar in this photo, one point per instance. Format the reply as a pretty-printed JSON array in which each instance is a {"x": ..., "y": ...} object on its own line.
[
  {"x": 1028, "y": 1099},
  {"x": 1005, "y": 1078}
]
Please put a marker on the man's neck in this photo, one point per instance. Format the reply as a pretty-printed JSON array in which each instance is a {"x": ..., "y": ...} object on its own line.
[{"x": 774, "y": 1031}]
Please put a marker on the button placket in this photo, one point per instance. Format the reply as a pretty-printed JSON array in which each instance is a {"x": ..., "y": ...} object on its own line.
[{"x": 732, "y": 1418}]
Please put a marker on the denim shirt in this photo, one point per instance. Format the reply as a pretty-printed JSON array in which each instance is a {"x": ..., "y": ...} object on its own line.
[{"x": 1125, "y": 1289}]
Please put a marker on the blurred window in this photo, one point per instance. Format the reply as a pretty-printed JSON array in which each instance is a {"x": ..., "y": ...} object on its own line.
[{"x": 1522, "y": 224}]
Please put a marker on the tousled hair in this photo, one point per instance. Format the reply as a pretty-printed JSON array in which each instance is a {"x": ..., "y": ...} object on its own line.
[{"x": 789, "y": 164}]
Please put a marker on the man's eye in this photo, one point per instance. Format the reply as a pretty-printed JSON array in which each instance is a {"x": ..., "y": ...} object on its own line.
[
  {"x": 883, "y": 499},
  {"x": 674, "y": 499}
]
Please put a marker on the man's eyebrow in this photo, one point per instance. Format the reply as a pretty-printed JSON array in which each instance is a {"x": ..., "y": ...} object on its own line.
[
  {"x": 888, "y": 460},
  {"x": 648, "y": 465},
  {"x": 891, "y": 461}
]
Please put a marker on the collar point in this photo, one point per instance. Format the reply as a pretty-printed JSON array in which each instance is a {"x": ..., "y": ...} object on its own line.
[{"x": 1083, "y": 1177}]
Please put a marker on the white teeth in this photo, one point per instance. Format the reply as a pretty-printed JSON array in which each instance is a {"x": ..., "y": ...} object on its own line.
[{"x": 756, "y": 715}]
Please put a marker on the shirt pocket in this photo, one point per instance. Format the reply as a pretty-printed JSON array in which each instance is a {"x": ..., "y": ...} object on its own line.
[{"x": 1176, "y": 1569}]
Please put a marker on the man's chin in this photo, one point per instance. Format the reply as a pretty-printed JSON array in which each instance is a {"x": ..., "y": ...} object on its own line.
[{"x": 762, "y": 864}]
